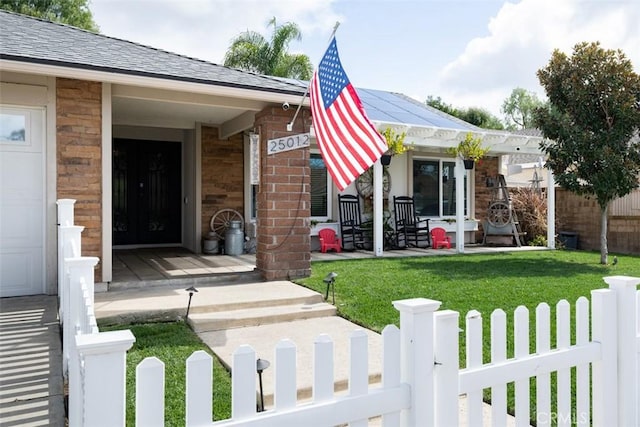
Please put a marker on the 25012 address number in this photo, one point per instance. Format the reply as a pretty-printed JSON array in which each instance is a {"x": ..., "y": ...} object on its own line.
[{"x": 288, "y": 143}]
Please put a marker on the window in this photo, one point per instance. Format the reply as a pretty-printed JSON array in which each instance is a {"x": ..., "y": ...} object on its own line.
[
  {"x": 13, "y": 128},
  {"x": 320, "y": 203},
  {"x": 434, "y": 188},
  {"x": 254, "y": 201}
]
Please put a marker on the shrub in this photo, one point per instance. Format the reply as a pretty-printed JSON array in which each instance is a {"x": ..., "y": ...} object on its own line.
[{"x": 531, "y": 208}]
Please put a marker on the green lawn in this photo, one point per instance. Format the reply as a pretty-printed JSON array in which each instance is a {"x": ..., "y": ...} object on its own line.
[
  {"x": 172, "y": 343},
  {"x": 365, "y": 289}
]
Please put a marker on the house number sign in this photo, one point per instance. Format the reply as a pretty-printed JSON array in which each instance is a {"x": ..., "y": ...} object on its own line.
[{"x": 288, "y": 143}]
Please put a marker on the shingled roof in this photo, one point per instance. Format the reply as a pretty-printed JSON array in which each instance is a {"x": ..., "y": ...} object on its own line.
[{"x": 32, "y": 40}]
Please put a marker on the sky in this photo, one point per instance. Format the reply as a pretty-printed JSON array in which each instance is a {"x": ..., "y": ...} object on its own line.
[{"x": 471, "y": 53}]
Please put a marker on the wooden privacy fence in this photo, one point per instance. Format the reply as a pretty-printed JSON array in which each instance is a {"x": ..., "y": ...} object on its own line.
[{"x": 421, "y": 376}]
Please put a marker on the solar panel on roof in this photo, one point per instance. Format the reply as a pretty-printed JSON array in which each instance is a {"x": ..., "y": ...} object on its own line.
[{"x": 391, "y": 107}]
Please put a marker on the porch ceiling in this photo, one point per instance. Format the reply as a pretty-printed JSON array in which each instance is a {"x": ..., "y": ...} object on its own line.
[{"x": 137, "y": 106}]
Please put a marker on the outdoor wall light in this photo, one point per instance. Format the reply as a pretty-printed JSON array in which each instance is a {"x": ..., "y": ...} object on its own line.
[
  {"x": 191, "y": 291},
  {"x": 261, "y": 365},
  {"x": 330, "y": 281}
]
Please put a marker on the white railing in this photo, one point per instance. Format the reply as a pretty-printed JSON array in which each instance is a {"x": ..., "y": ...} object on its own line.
[
  {"x": 421, "y": 379},
  {"x": 89, "y": 357}
]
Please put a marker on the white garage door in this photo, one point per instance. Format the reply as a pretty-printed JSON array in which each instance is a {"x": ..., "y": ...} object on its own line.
[{"x": 22, "y": 203}]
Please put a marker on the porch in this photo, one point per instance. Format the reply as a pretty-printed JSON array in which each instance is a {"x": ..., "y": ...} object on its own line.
[{"x": 133, "y": 268}]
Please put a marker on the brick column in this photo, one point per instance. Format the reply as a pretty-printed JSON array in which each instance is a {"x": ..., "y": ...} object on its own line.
[{"x": 283, "y": 250}]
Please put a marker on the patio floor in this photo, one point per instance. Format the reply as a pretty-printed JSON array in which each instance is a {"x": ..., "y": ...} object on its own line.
[{"x": 178, "y": 266}]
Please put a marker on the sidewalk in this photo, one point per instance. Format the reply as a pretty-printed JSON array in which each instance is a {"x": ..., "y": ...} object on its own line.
[{"x": 31, "y": 385}]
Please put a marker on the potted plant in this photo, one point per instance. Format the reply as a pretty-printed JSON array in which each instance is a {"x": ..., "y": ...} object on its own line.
[
  {"x": 395, "y": 144},
  {"x": 470, "y": 149}
]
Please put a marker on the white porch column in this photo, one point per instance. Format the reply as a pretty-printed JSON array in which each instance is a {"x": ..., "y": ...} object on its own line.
[
  {"x": 378, "y": 214},
  {"x": 460, "y": 174},
  {"x": 551, "y": 210}
]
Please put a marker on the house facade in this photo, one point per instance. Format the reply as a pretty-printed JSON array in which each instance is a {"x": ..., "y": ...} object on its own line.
[{"x": 152, "y": 145}]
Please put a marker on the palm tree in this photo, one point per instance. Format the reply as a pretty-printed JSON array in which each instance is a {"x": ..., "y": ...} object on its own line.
[{"x": 252, "y": 52}]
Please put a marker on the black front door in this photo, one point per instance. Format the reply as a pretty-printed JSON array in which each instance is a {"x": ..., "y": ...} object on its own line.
[{"x": 146, "y": 192}]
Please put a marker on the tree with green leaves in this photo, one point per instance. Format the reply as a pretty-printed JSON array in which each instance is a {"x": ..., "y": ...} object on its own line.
[
  {"x": 481, "y": 118},
  {"x": 71, "y": 12},
  {"x": 252, "y": 52},
  {"x": 519, "y": 107},
  {"x": 592, "y": 124},
  {"x": 474, "y": 115},
  {"x": 439, "y": 104}
]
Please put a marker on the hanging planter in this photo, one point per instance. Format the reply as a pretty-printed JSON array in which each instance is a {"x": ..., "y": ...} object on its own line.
[
  {"x": 395, "y": 145},
  {"x": 470, "y": 149},
  {"x": 385, "y": 159}
]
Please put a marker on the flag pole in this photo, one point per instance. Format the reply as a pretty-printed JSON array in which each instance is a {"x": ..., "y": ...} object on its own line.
[{"x": 290, "y": 124}]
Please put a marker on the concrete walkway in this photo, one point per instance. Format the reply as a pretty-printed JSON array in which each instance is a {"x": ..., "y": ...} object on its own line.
[{"x": 31, "y": 385}]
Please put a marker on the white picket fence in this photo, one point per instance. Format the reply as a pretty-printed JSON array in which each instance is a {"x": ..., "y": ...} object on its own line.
[
  {"x": 421, "y": 378},
  {"x": 94, "y": 363}
]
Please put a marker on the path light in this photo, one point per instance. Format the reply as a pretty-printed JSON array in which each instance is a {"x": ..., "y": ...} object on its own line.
[
  {"x": 261, "y": 365},
  {"x": 330, "y": 281},
  {"x": 191, "y": 291}
]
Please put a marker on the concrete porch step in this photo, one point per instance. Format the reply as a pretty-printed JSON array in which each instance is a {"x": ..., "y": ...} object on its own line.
[
  {"x": 161, "y": 303},
  {"x": 218, "y": 320}
]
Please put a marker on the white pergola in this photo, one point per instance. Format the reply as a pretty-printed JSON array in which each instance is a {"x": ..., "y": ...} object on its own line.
[{"x": 440, "y": 139}]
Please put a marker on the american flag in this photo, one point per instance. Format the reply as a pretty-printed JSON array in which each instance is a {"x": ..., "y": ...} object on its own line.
[{"x": 348, "y": 141}]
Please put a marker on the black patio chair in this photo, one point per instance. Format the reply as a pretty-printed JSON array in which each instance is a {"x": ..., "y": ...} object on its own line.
[
  {"x": 410, "y": 230},
  {"x": 350, "y": 222}
]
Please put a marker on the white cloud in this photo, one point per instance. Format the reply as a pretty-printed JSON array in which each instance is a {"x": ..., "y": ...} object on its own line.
[
  {"x": 205, "y": 28},
  {"x": 521, "y": 39}
]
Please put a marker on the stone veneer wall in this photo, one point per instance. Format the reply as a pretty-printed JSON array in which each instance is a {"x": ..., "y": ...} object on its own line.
[
  {"x": 284, "y": 200},
  {"x": 222, "y": 174},
  {"x": 581, "y": 215},
  {"x": 79, "y": 157}
]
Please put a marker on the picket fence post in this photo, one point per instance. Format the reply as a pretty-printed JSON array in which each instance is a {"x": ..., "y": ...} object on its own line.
[
  {"x": 605, "y": 371},
  {"x": 417, "y": 358},
  {"x": 150, "y": 392},
  {"x": 78, "y": 270},
  {"x": 199, "y": 397},
  {"x": 447, "y": 368},
  {"x": 625, "y": 289},
  {"x": 65, "y": 218},
  {"x": 104, "y": 379},
  {"x": 70, "y": 239}
]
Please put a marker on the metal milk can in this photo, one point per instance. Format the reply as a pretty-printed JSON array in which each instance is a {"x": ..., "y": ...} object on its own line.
[{"x": 234, "y": 239}]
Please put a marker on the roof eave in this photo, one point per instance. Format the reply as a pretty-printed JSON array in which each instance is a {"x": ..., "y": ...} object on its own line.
[{"x": 148, "y": 80}]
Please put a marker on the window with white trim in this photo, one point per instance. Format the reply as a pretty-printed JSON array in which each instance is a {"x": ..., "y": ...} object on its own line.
[{"x": 434, "y": 188}]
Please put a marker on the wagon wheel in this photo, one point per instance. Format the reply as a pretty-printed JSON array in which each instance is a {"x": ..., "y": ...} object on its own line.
[
  {"x": 221, "y": 221},
  {"x": 499, "y": 214},
  {"x": 364, "y": 183}
]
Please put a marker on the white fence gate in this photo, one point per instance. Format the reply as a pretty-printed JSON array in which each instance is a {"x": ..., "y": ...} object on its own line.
[{"x": 421, "y": 378}]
